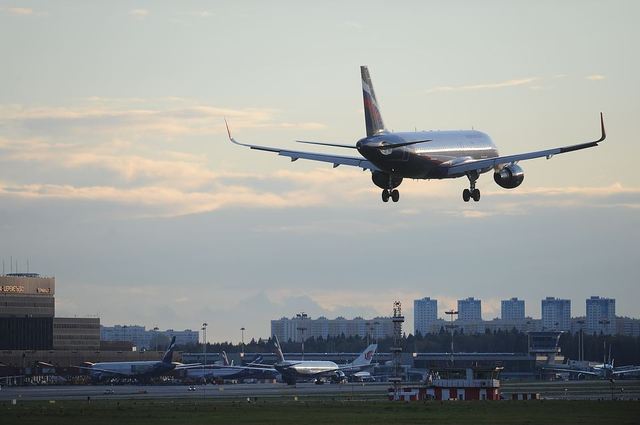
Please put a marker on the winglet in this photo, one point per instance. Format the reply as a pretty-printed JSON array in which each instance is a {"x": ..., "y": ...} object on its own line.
[
  {"x": 228, "y": 131},
  {"x": 602, "y": 130}
]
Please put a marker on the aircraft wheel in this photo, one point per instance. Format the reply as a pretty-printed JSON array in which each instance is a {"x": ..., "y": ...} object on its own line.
[
  {"x": 385, "y": 195},
  {"x": 476, "y": 194},
  {"x": 395, "y": 195},
  {"x": 466, "y": 195}
]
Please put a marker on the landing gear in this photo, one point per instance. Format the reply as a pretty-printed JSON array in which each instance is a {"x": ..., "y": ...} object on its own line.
[
  {"x": 388, "y": 193},
  {"x": 472, "y": 192}
]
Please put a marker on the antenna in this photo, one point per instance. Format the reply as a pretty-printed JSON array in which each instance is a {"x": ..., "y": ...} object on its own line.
[
  {"x": 11, "y": 262},
  {"x": 27, "y": 265},
  {"x": 3, "y": 267}
]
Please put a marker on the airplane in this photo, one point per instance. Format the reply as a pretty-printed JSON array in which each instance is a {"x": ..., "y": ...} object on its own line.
[
  {"x": 394, "y": 156},
  {"x": 605, "y": 370},
  {"x": 226, "y": 370},
  {"x": 140, "y": 370},
  {"x": 292, "y": 370}
]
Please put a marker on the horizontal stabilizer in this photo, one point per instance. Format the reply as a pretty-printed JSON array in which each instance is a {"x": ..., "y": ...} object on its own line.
[
  {"x": 334, "y": 145},
  {"x": 399, "y": 145}
]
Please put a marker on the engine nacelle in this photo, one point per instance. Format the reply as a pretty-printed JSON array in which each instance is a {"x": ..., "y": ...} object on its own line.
[
  {"x": 509, "y": 177},
  {"x": 381, "y": 180}
]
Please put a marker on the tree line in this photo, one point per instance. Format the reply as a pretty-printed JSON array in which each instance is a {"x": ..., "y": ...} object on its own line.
[{"x": 625, "y": 350}]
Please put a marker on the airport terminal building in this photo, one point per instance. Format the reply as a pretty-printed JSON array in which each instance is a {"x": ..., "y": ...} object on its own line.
[
  {"x": 27, "y": 309},
  {"x": 28, "y": 322}
]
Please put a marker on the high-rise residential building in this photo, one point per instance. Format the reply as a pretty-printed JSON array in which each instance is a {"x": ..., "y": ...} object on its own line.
[
  {"x": 601, "y": 315},
  {"x": 425, "y": 315},
  {"x": 469, "y": 309},
  {"x": 303, "y": 327},
  {"x": 556, "y": 314},
  {"x": 512, "y": 309},
  {"x": 142, "y": 338}
]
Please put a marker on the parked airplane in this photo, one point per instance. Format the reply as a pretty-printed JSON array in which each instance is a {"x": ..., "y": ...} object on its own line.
[
  {"x": 226, "y": 370},
  {"x": 605, "y": 370},
  {"x": 137, "y": 369},
  {"x": 392, "y": 157},
  {"x": 292, "y": 370}
]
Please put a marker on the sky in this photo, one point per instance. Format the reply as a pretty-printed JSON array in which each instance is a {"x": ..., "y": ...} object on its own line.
[{"x": 117, "y": 178}]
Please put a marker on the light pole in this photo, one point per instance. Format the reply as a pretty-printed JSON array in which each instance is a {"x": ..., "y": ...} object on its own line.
[
  {"x": 204, "y": 355},
  {"x": 302, "y": 316},
  {"x": 302, "y": 329},
  {"x": 581, "y": 341},
  {"x": 242, "y": 329},
  {"x": 155, "y": 335},
  {"x": 451, "y": 326}
]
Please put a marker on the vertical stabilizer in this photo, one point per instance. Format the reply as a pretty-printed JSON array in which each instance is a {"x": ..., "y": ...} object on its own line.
[
  {"x": 225, "y": 359},
  {"x": 168, "y": 355},
  {"x": 372, "y": 116},
  {"x": 278, "y": 349},
  {"x": 366, "y": 356}
]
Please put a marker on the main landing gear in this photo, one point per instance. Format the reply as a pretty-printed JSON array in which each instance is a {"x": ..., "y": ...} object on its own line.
[
  {"x": 472, "y": 192},
  {"x": 389, "y": 193}
]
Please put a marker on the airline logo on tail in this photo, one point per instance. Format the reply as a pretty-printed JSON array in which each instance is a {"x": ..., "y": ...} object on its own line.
[
  {"x": 372, "y": 115},
  {"x": 366, "y": 356},
  {"x": 168, "y": 355}
]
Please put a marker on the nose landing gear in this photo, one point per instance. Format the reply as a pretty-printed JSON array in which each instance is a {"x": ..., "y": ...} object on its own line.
[{"x": 472, "y": 192}]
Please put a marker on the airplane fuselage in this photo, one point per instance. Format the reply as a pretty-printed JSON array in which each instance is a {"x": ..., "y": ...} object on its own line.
[
  {"x": 132, "y": 369},
  {"x": 429, "y": 159},
  {"x": 307, "y": 367}
]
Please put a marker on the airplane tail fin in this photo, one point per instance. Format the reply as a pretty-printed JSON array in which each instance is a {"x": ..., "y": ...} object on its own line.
[
  {"x": 372, "y": 115},
  {"x": 257, "y": 360},
  {"x": 168, "y": 355},
  {"x": 225, "y": 359},
  {"x": 278, "y": 349},
  {"x": 366, "y": 356}
]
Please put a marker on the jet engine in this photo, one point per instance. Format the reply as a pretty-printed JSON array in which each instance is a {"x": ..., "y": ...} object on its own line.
[
  {"x": 509, "y": 177},
  {"x": 381, "y": 180}
]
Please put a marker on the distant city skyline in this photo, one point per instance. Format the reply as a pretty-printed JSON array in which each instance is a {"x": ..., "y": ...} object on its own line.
[{"x": 117, "y": 177}]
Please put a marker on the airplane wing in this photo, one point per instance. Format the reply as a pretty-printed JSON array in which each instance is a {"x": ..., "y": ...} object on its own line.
[
  {"x": 267, "y": 368},
  {"x": 336, "y": 160},
  {"x": 572, "y": 370},
  {"x": 500, "y": 160},
  {"x": 105, "y": 371},
  {"x": 633, "y": 369}
]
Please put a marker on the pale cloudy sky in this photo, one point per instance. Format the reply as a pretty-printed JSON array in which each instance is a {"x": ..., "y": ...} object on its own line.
[{"x": 117, "y": 178}]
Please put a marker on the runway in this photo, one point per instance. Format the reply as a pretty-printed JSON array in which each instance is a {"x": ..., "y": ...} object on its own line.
[
  {"x": 231, "y": 391},
  {"x": 559, "y": 390}
]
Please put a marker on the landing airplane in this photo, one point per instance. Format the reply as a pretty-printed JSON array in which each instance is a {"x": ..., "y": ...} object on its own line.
[
  {"x": 392, "y": 157},
  {"x": 136, "y": 369}
]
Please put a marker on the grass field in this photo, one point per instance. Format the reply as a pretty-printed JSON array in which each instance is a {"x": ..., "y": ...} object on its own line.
[{"x": 320, "y": 412}]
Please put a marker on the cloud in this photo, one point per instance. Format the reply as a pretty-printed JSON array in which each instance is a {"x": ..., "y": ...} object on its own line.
[
  {"x": 485, "y": 86},
  {"x": 20, "y": 11},
  {"x": 168, "y": 117},
  {"x": 595, "y": 77},
  {"x": 139, "y": 13}
]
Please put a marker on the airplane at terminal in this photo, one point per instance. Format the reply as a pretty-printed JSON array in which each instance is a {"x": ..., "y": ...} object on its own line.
[
  {"x": 394, "y": 156},
  {"x": 292, "y": 370},
  {"x": 137, "y": 369},
  {"x": 605, "y": 370},
  {"x": 228, "y": 371}
]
